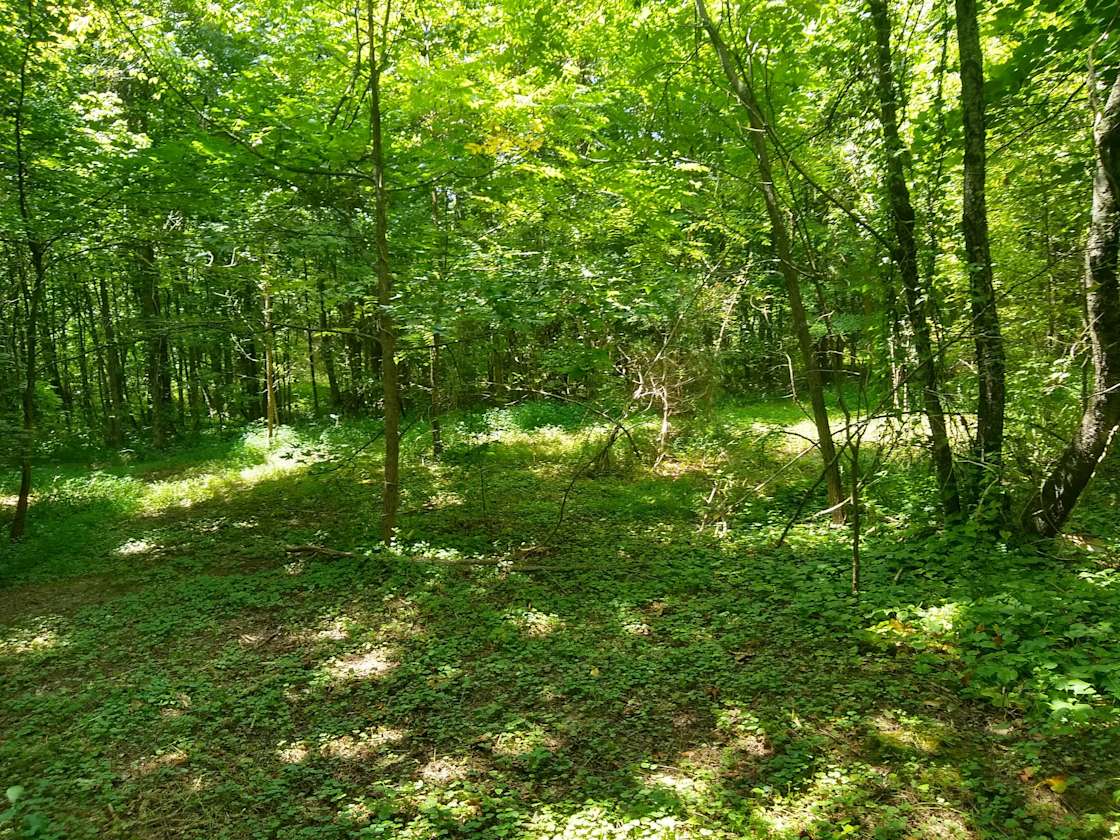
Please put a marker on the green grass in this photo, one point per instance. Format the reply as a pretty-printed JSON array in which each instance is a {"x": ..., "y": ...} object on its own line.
[{"x": 167, "y": 669}]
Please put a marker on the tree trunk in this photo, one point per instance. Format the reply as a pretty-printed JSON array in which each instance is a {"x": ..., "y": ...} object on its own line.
[
  {"x": 325, "y": 345},
  {"x": 157, "y": 353},
  {"x": 38, "y": 252},
  {"x": 114, "y": 431},
  {"x": 1049, "y": 508},
  {"x": 386, "y": 329},
  {"x": 906, "y": 257},
  {"x": 269, "y": 365},
  {"x": 780, "y": 235},
  {"x": 974, "y": 223},
  {"x": 27, "y": 444}
]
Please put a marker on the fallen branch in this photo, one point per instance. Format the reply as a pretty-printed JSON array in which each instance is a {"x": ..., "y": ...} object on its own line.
[{"x": 318, "y": 549}]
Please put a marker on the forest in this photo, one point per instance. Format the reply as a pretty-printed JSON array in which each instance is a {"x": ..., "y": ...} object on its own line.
[{"x": 591, "y": 420}]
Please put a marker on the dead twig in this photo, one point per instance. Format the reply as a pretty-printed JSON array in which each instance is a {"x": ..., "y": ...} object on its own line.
[{"x": 318, "y": 549}]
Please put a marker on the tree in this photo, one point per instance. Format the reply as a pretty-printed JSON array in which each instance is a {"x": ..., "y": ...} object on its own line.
[
  {"x": 779, "y": 232},
  {"x": 1048, "y": 509},
  {"x": 990, "y": 362},
  {"x": 386, "y": 329},
  {"x": 906, "y": 258}
]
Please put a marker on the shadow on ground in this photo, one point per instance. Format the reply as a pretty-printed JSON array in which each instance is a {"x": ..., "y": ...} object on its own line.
[{"x": 645, "y": 679}]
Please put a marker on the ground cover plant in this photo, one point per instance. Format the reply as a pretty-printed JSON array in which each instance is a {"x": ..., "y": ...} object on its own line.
[
  {"x": 587, "y": 419},
  {"x": 170, "y": 669}
]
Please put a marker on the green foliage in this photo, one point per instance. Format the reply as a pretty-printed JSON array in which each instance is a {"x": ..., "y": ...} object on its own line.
[{"x": 634, "y": 676}]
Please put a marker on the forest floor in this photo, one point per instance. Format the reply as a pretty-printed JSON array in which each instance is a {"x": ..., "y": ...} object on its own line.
[{"x": 650, "y": 666}]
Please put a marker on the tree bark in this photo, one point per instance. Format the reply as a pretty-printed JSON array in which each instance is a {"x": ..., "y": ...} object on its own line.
[
  {"x": 974, "y": 223},
  {"x": 386, "y": 329},
  {"x": 159, "y": 379},
  {"x": 780, "y": 235},
  {"x": 906, "y": 258},
  {"x": 325, "y": 346},
  {"x": 1049, "y": 509},
  {"x": 114, "y": 431},
  {"x": 272, "y": 419},
  {"x": 38, "y": 251},
  {"x": 27, "y": 444}
]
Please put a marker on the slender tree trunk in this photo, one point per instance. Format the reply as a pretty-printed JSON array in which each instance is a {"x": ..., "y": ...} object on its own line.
[
  {"x": 310, "y": 348},
  {"x": 386, "y": 331},
  {"x": 780, "y": 234},
  {"x": 439, "y": 217},
  {"x": 194, "y": 385},
  {"x": 1047, "y": 511},
  {"x": 38, "y": 252},
  {"x": 325, "y": 346},
  {"x": 353, "y": 352},
  {"x": 974, "y": 223},
  {"x": 157, "y": 352},
  {"x": 906, "y": 257},
  {"x": 27, "y": 444},
  {"x": 83, "y": 364},
  {"x": 269, "y": 365},
  {"x": 114, "y": 431}
]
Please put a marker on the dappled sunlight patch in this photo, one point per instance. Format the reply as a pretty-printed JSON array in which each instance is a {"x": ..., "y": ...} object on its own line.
[
  {"x": 1088, "y": 544},
  {"x": 632, "y": 621},
  {"x": 1103, "y": 578},
  {"x": 359, "y": 744},
  {"x": 797, "y": 812},
  {"x": 443, "y": 770},
  {"x": 443, "y": 499},
  {"x": 178, "y": 707},
  {"x": 520, "y": 742},
  {"x": 335, "y": 632},
  {"x": 357, "y": 813},
  {"x": 930, "y": 627},
  {"x": 901, "y": 731},
  {"x": 599, "y": 821},
  {"x": 677, "y": 781},
  {"x": 284, "y": 458},
  {"x": 535, "y": 623},
  {"x": 158, "y": 761},
  {"x": 357, "y": 666},
  {"x": 37, "y": 638},
  {"x": 133, "y": 547},
  {"x": 295, "y": 752},
  {"x": 938, "y": 822}
]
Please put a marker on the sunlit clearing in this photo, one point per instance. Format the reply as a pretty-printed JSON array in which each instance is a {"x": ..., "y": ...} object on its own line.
[{"x": 283, "y": 459}]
